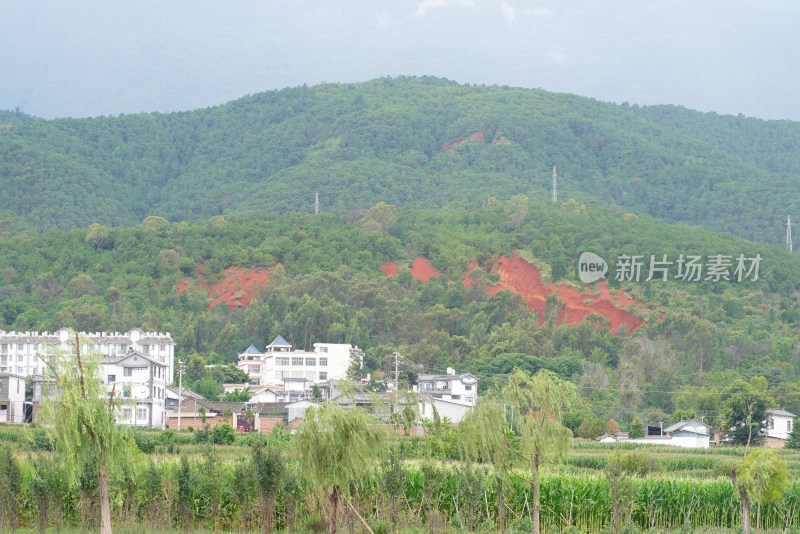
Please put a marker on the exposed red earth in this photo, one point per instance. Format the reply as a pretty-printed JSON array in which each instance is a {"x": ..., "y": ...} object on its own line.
[
  {"x": 477, "y": 137},
  {"x": 521, "y": 277},
  {"x": 236, "y": 289},
  {"x": 389, "y": 268},
  {"x": 423, "y": 271}
]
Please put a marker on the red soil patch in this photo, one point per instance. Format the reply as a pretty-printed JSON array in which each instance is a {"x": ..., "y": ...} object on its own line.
[
  {"x": 521, "y": 277},
  {"x": 389, "y": 268},
  {"x": 423, "y": 271},
  {"x": 475, "y": 137},
  {"x": 236, "y": 289}
]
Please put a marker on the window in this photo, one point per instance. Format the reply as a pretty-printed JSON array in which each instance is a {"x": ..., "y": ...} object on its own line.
[
  {"x": 128, "y": 372},
  {"x": 455, "y": 397},
  {"x": 323, "y": 361},
  {"x": 789, "y": 425},
  {"x": 310, "y": 375},
  {"x": 162, "y": 347},
  {"x": 771, "y": 423},
  {"x": 468, "y": 387},
  {"x": 323, "y": 349},
  {"x": 20, "y": 346},
  {"x": 311, "y": 361},
  {"x": 282, "y": 360},
  {"x": 141, "y": 413},
  {"x": 4, "y": 347},
  {"x": 111, "y": 379},
  {"x": 126, "y": 413},
  {"x": 20, "y": 358},
  {"x": 323, "y": 375},
  {"x": 297, "y": 360}
]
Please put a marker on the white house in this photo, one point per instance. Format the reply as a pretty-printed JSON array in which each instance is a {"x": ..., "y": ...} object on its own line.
[
  {"x": 140, "y": 382},
  {"x": 454, "y": 411},
  {"x": 691, "y": 434},
  {"x": 461, "y": 388},
  {"x": 281, "y": 365},
  {"x": 12, "y": 398},
  {"x": 779, "y": 423}
]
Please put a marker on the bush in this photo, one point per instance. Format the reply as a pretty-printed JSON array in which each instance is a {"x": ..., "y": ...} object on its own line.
[{"x": 223, "y": 434}]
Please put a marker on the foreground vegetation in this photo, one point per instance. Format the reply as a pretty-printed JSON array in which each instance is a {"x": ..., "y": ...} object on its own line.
[{"x": 415, "y": 483}]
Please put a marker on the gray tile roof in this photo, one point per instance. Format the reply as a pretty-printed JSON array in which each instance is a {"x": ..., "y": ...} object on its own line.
[{"x": 279, "y": 342}]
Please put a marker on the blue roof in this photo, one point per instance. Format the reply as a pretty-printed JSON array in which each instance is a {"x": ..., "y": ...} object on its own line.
[
  {"x": 279, "y": 342},
  {"x": 251, "y": 350}
]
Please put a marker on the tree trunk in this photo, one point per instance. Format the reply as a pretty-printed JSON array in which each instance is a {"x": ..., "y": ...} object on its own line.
[
  {"x": 501, "y": 512},
  {"x": 334, "y": 498},
  {"x": 535, "y": 487},
  {"x": 745, "y": 512},
  {"x": 758, "y": 518},
  {"x": 105, "y": 505}
]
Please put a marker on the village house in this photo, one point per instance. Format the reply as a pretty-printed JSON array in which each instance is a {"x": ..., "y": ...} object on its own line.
[
  {"x": 12, "y": 398},
  {"x": 778, "y": 426},
  {"x": 691, "y": 434}
]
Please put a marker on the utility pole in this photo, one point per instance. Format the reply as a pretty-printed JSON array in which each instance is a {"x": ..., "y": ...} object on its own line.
[
  {"x": 316, "y": 203},
  {"x": 789, "y": 233},
  {"x": 396, "y": 370},
  {"x": 555, "y": 185},
  {"x": 180, "y": 391}
]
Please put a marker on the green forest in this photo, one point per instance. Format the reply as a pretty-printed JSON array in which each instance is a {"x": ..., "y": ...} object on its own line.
[
  {"x": 414, "y": 142},
  {"x": 327, "y": 285}
]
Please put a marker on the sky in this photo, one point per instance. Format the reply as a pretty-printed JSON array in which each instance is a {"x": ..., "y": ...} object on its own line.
[{"x": 90, "y": 57}]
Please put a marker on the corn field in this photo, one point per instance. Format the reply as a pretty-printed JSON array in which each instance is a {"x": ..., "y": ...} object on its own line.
[{"x": 214, "y": 488}]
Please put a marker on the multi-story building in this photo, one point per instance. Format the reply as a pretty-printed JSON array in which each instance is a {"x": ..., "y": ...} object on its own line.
[
  {"x": 12, "y": 398},
  {"x": 462, "y": 388},
  {"x": 449, "y": 395},
  {"x": 282, "y": 367},
  {"x": 250, "y": 363},
  {"x": 136, "y": 366}
]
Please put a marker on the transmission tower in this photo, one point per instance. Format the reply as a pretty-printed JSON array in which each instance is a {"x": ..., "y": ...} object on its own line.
[
  {"x": 555, "y": 185},
  {"x": 316, "y": 203},
  {"x": 789, "y": 233}
]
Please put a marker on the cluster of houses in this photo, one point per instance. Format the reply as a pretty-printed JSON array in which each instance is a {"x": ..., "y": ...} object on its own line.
[
  {"x": 282, "y": 384},
  {"x": 696, "y": 434}
]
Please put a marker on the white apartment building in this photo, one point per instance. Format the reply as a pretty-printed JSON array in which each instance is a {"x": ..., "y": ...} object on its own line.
[
  {"x": 136, "y": 365},
  {"x": 282, "y": 367}
]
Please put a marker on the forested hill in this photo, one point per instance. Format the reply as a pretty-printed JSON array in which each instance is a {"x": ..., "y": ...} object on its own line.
[
  {"x": 412, "y": 142},
  {"x": 507, "y": 294}
]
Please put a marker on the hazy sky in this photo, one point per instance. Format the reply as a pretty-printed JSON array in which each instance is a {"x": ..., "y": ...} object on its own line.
[{"x": 91, "y": 57}]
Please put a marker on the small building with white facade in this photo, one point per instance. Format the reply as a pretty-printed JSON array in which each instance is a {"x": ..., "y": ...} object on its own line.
[
  {"x": 12, "y": 398},
  {"x": 461, "y": 388},
  {"x": 778, "y": 426},
  {"x": 690, "y": 434}
]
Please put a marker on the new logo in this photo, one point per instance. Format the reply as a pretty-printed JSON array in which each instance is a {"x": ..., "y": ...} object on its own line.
[{"x": 591, "y": 267}]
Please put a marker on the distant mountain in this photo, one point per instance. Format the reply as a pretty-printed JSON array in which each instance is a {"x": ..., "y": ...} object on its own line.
[{"x": 412, "y": 142}]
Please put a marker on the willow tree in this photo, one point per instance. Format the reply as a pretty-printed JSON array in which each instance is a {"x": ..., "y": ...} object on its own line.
[
  {"x": 761, "y": 478},
  {"x": 336, "y": 449},
  {"x": 533, "y": 431},
  {"x": 81, "y": 419}
]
